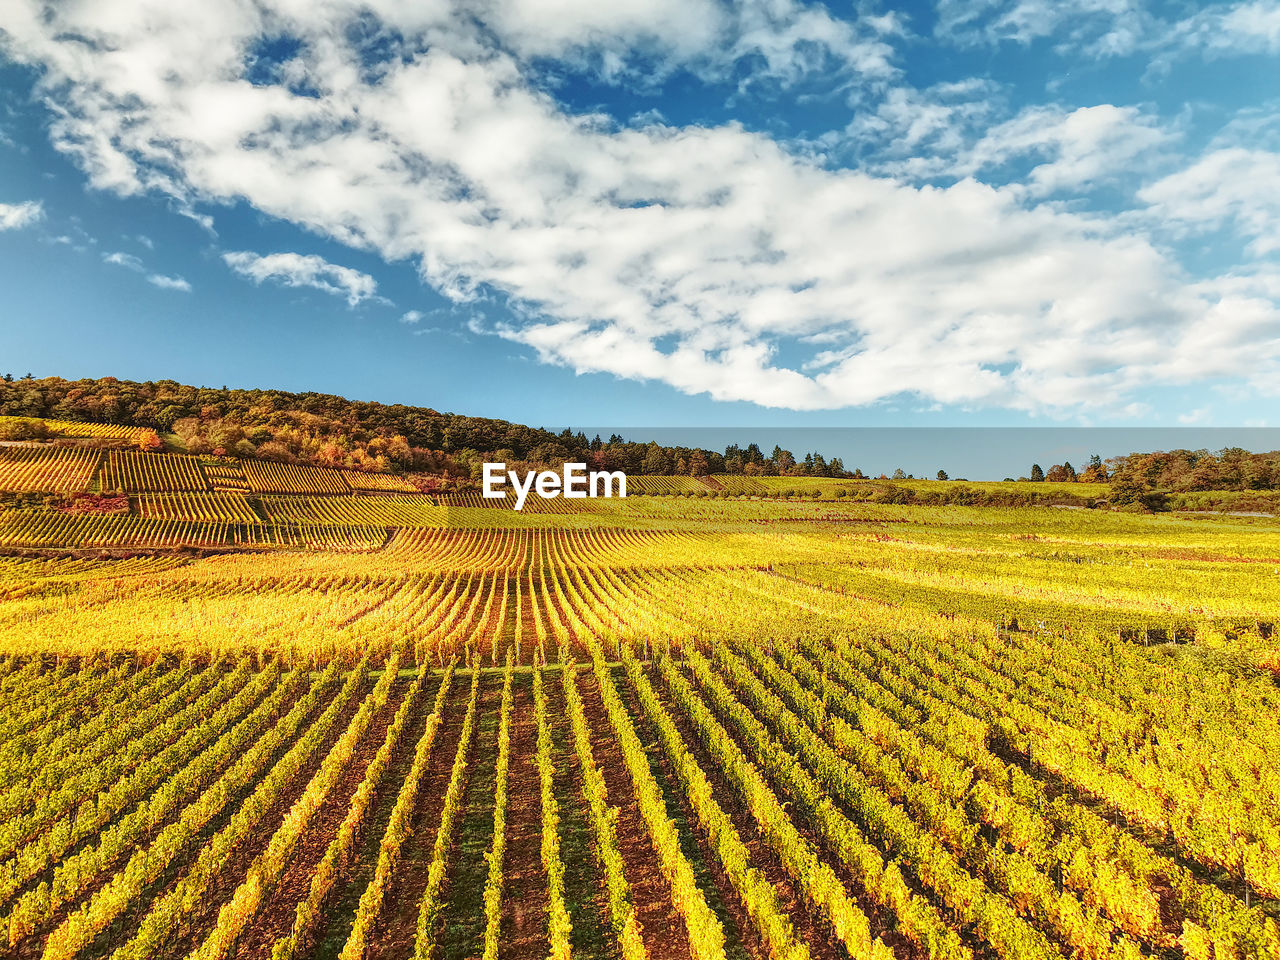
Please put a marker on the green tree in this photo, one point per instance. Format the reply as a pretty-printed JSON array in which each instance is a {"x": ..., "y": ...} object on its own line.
[
  {"x": 1129, "y": 487},
  {"x": 1126, "y": 488},
  {"x": 942, "y": 475},
  {"x": 1037, "y": 474},
  {"x": 1095, "y": 472},
  {"x": 655, "y": 461}
]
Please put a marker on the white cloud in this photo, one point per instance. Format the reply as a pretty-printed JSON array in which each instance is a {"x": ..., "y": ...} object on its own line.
[
  {"x": 1088, "y": 146},
  {"x": 1252, "y": 27},
  {"x": 1113, "y": 26},
  {"x": 15, "y": 216},
  {"x": 919, "y": 133},
  {"x": 411, "y": 316},
  {"x": 126, "y": 260},
  {"x": 952, "y": 131},
  {"x": 642, "y": 40},
  {"x": 796, "y": 39},
  {"x": 1107, "y": 28},
  {"x": 304, "y": 270},
  {"x": 693, "y": 255},
  {"x": 1233, "y": 186},
  {"x": 169, "y": 283}
]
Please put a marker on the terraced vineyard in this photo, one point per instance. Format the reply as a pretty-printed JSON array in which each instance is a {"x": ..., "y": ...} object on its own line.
[
  {"x": 373, "y": 726},
  {"x": 28, "y": 470}
]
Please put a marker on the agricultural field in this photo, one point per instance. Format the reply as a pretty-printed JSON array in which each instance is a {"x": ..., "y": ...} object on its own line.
[
  {"x": 70, "y": 430},
  {"x": 267, "y": 714},
  {"x": 35, "y": 470},
  {"x": 657, "y": 486}
]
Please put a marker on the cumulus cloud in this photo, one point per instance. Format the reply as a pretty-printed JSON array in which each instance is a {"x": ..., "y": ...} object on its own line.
[
  {"x": 15, "y": 216},
  {"x": 304, "y": 270},
  {"x": 411, "y": 316},
  {"x": 699, "y": 256},
  {"x": 169, "y": 283}
]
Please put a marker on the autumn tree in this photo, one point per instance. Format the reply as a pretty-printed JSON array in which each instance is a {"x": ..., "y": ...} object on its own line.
[
  {"x": 1095, "y": 472},
  {"x": 149, "y": 441}
]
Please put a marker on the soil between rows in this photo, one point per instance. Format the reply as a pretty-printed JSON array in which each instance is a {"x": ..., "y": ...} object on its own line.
[
  {"x": 462, "y": 913},
  {"x": 47, "y": 873},
  {"x": 884, "y": 922},
  {"x": 339, "y": 914},
  {"x": 524, "y": 901},
  {"x": 663, "y": 929},
  {"x": 196, "y": 925},
  {"x": 275, "y": 919},
  {"x": 34, "y": 944},
  {"x": 811, "y": 928},
  {"x": 394, "y": 932},
  {"x": 741, "y": 939},
  {"x": 592, "y": 935}
]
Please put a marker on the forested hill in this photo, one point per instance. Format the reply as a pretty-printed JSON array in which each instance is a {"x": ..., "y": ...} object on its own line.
[
  {"x": 333, "y": 431},
  {"x": 164, "y": 404},
  {"x": 328, "y": 430}
]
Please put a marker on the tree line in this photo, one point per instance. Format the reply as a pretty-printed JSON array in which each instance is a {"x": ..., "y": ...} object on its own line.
[{"x": 328, "y": 430}]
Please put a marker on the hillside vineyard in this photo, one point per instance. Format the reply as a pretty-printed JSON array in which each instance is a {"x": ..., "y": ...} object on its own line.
[{"x": 261, "y": 711}]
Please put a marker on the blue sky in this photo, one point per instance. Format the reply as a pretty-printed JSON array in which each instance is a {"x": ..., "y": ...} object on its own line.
[{"x": 685, "y": 213}]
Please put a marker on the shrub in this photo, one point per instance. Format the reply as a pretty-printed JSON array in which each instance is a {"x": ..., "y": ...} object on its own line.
[{"x": 24, "y": 428}]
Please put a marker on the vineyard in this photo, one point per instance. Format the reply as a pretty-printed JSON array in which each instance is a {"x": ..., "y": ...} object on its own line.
[
  {"x": 85, "y": 431},
  {"x": 276, "y": 712},
  {"x": 27, "y": 470}
]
